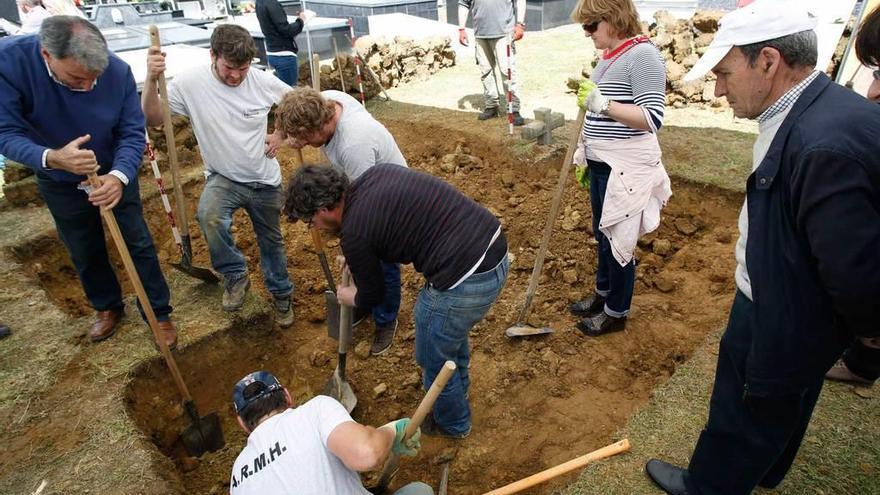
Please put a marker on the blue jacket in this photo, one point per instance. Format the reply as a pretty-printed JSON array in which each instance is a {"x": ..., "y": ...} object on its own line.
[
  {"x": 813, "y": 249},
  {"x": 37, "y": 113}
]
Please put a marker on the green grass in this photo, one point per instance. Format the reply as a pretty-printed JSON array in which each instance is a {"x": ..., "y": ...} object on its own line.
[{"x": 839, "y": 455}]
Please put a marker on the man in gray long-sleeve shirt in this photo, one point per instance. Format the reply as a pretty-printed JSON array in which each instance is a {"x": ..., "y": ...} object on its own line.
[
  {"x": 493, "y": 21},
  {"x": 393, "y": 214},
  {"x": 353, "y": 141}
]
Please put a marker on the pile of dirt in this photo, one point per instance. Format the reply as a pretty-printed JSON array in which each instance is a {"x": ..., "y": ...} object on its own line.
[
  {"x": 404, "y": 59},
  {"x": 20, "y": 185}
]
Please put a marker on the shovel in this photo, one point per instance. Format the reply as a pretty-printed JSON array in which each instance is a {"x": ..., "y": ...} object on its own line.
[
  {"x": 203, "y": 433},
  {"x": 330, "y": 294},
  {"x": 185, "y": 264},
  {"x": 521, "y": 328},
  {"x": 337, "y": 386},
  {"x": 391, "y": 465}
]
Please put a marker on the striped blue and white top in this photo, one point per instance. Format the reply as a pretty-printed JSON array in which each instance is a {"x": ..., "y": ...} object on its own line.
[{"x": 638, "y": 76}]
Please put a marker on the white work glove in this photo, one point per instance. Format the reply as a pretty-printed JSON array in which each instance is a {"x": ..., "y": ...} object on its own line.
[
  {"x": 591, "y": 99},
  {"x": 580, "y": 156},
  {"x": 307, "y": 15}
]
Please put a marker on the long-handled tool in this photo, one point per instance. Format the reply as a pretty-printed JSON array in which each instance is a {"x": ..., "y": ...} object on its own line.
[
  {"x": 510, "y": 60},
  {"x": 521, "y": 328},
  {"x": 338, "y": 65},
  {"x": 415, "y": 421},
  {"x": 357, "y": 61},
  {"x": 203, "y": 433},
  {"x": 360, "y": 61},
  {"x": 337, "y": 386},
  {"x": 444, "y": 479},
  {"x": 576, "y": 463},
  {"x": 309, "y": 44},
  {"x": 185, "y": 264},
  {"x": 330, "y": 293}
]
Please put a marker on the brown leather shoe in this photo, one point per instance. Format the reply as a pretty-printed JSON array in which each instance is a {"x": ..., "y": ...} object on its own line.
[
  {"x": 105, "y": 326},
  {"x": 166, "y": 328}
]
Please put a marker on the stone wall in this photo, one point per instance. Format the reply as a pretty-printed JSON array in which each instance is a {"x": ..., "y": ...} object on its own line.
[{"x": 394, "y": 62}]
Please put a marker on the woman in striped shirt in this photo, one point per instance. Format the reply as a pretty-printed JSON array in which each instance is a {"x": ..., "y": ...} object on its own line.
[{"x": 624, "y": 106}]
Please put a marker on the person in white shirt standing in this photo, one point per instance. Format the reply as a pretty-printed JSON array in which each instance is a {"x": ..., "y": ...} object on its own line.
[
  {"x": 315, "y": 448},
  {"x": 228, "y": 106},
  {"x": 34, "y": 13}
]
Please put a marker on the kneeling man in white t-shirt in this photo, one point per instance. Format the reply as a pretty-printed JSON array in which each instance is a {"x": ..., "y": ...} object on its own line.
[{"x": 315, "y": 448}]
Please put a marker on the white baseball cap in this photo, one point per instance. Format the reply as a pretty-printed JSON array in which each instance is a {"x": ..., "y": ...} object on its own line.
[{"x": 761, "y": 20}]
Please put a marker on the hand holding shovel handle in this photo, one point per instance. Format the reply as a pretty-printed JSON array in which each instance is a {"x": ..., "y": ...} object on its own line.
[
  {"x": 415, "y": 421},
  {"x": 577, "y": 463}
]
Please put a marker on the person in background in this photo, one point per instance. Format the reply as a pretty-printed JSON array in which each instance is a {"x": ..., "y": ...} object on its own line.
[
  {"x": 493, "y": 21},
  {"x": 5, "y": 331},
  {"x": 313, "y": 449},
  {"x": 808, "y": 274},
  {"x": 281, "y": 46},
  {"x": 34, "y": 13},
  {"x": 625, "y": 101},
  {"x": 860, "y": 363}
]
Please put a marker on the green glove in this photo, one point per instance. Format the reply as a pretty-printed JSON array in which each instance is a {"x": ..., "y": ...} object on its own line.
[
  {"x": 582, "y": 175},
  {"x": 584, "y": 90},
  {"x": 409, "y": 447}
]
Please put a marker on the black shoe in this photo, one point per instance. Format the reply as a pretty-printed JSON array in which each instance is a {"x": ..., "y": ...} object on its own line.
[
  {"x": 589, "y": 306},
  {"x": 668, "y": 477},
  {"x": 601, "y": 324},
  {"x": 432, "y": 429},
  {"x": 518, "y": 120},
  {"x": 360, "y": 314},
  {"x": 488, "y": 113},
  {"x": 5, "y": 331},
  {"x": 383, "y": 338}
]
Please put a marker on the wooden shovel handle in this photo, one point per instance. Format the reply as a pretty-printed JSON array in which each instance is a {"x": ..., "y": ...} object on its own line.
[
  {"x": 116, "y": 234},
  {"x": 169, "y": 140},
  {"x": 345, "y": 317},
  {"x": 428, "y": 401},
  {"x": 317, "y": 240},
  {"x": 579, "y": 462}
]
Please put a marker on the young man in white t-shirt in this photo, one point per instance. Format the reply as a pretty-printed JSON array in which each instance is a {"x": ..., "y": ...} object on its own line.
[
  {"x": 228, "y": 106},
  {"x": 353, "y": 141},
  {"x": 315, "y": 448}
]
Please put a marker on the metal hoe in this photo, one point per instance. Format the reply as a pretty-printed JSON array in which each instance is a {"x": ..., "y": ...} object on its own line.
[
  {"x": 185, "y": 246},
  {"x": 204, "y": 433},
  {"x": 521, "y": 328},
  {"x": 337, "y": 386},
  {"x": 391, "y": 465},
  {"x": 330, "y": 294}
]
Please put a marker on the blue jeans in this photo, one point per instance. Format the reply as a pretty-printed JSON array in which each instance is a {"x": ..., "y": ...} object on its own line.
[
  {"x": 614, "y": 282},
  {"x": 415, "y": 488},
  {"x": 80, "y": 229},
  {"x": 386, "y": 312},
  {"x": 443, "y": 321},
  {"x": 286, "y": 68},
  {"x": 220, "y": 199}
]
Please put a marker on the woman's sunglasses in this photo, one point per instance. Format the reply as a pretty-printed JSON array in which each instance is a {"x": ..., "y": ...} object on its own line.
[{"x": 590, "y": 27}]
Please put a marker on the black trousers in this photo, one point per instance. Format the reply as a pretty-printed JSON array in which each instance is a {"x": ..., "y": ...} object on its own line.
[
  {"x": 80, "y": 229},
  {"x": 863, "y": 360},
  {"x": 747, "y": 441}
]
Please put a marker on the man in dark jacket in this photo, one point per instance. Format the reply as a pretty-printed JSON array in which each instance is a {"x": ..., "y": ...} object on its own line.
[
  {"x": 860, "y": 363},
  {"x": 808, "y": 270},
  {"x": 393, "y": 214},
  {"x": 281, "y": 47}
]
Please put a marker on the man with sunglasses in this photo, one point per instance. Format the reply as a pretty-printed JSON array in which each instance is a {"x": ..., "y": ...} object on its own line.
[
  {"x": 495, "y": 23},
  {"x": 228, "y": 106},
  {"x": 68, "y": 109}
]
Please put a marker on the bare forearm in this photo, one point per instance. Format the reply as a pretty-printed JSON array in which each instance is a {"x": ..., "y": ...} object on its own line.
[
  {"x": 628, "y": 114},
  {"x": 150, "y": 103}
]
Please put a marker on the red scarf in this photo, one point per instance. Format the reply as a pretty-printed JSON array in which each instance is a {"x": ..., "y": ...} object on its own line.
[{"x": 620, "y": 50}]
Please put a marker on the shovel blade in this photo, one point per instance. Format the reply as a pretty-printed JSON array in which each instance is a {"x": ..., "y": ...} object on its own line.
[
  {"x": 332, "y": 314},
  {"x": 203, "y": 435},
  {"x": 523, "y": 330},
  {"x": 340, "y": 390},
  {"x": 202, "y": 274}
]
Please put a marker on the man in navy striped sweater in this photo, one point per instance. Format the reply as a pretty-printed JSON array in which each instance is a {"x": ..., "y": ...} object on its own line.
[{"x": 394, "y": 214}]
